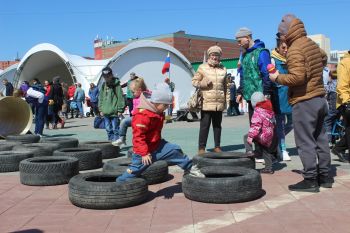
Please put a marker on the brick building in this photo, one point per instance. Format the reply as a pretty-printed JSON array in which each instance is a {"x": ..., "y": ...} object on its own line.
[
  {"x": 5, "y": 64},
  {"x": 191, "y": 46}
]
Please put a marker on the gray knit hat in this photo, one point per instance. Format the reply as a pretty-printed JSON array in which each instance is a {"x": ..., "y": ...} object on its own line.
[
  {"x": 162, "y": 94},
  {"x": 286, "y": 21},
  {"x": 242, "y": 32},
  {"x": 256, "y": 98}
]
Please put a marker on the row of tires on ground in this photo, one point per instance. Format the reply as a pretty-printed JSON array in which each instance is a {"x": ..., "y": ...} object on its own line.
[{"x": 229, "y": 177}]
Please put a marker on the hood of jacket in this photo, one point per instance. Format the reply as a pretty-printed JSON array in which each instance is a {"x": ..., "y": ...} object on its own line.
[
  {"x": 257, "y": 44},
  {"x": 146, "y": 104},
  {"x": 266, "y": 104},
  {"x": 295, "y": 31}
]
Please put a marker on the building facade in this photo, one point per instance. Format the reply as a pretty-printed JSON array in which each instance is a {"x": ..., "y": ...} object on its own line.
[
  {"x": 5, "y": 64},
  {"x": 193, "y": 47}
]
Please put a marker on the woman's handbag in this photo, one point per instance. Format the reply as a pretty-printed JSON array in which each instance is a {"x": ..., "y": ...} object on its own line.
[{"x": 195, "y": 102}]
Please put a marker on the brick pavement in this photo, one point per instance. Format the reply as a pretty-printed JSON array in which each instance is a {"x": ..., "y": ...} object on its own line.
[{"x": 48, "y": 209}]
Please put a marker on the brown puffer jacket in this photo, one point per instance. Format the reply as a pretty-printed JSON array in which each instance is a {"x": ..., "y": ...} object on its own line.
[
  {"x": 305, "y": 65},
  {"x": 212, "y": 83}
]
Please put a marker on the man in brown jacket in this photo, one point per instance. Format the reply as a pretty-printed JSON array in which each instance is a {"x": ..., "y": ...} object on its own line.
[{"x": 306, "y": 94}]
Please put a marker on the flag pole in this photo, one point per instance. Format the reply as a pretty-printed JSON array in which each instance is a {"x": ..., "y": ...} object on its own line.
[{"x": 169, "y": 67}]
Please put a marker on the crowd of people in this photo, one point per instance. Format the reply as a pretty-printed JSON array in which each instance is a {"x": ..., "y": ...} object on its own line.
[{"x": 284, "y": 89}]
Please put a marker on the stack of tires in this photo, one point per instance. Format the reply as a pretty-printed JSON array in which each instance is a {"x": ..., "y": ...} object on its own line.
[{"x": 230, "y": 177}]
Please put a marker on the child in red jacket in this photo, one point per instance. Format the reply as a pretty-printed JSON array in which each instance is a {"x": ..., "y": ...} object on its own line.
[{"x": 148, "y": 145}]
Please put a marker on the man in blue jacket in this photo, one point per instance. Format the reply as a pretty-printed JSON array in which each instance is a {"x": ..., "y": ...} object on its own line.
[
  {"x": 254, "y": 76},
  {"x": 93, "y": 94}
]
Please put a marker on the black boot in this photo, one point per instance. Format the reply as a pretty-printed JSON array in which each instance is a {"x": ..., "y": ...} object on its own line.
[
  {"x": 325, "y": 181},
  {"x": 306, "y": 185}
]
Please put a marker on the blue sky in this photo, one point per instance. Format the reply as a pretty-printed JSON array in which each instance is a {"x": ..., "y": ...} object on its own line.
[{"x": 73, "y": 25}]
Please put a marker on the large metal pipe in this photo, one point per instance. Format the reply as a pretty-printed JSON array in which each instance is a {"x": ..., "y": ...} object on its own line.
[{"x": 15, "y": 116}]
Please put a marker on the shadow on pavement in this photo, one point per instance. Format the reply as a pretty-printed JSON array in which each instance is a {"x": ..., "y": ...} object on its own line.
[
  {"x": 73, "y": 126},
  {"x": 60, "y": 135},
  {"x": 29, "y": 231}
]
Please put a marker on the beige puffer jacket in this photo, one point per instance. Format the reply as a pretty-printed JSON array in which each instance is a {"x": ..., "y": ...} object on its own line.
[
  {"x": 305, "y": 65},
  {"x": 212, "y": 83}
]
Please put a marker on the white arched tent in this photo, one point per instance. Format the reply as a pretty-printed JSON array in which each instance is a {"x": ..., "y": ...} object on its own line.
[
  {"x": 45, "y": 61},
  {"x": 146, "y": 58}
]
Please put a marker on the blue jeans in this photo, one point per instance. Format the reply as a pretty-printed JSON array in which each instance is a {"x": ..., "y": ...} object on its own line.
[
  {"x": 80, "y": 107},
  {"x": 124, "y": 124},
  {"x": 169, "y": 152},
  {"x": 284, "y": 125},
  {"x": 112, "y": 127},
  {"x": 40, "y": 117}
]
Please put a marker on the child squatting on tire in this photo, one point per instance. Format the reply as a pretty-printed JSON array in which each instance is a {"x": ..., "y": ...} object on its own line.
[{"x": 147, "y": 124}]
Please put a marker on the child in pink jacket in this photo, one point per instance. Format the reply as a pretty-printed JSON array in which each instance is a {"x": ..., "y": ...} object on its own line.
[{"x": 262, "y": 129}]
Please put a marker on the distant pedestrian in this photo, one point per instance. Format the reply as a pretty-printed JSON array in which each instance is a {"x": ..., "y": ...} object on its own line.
[
  {"x": 233, "y": 109},
  {"x": 56, "y": 101},
  {"x": 129, "y": 94},
  {"x": 111, "y": 103},
  {"x": 8, "y": 87},
  {"x": 171, "y": 86},
  {"x": 93, "y": 94},
  {"x": 79, "y": 98}
]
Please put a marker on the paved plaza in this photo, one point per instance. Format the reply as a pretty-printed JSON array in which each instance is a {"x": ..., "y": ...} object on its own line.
[{"x": 48, "y": 209}]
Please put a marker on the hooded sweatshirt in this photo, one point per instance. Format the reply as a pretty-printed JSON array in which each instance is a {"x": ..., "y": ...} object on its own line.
[
  {"x": 261, "y": 64},
  {"x": 147, "y": 125},
  {"x": 263, "y": 123}
]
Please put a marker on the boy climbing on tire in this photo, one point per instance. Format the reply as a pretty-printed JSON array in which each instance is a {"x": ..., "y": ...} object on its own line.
[{"x": 147, "y": 124}]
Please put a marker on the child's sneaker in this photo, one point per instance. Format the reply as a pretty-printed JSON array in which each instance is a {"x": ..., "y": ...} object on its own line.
[
  {"x": 194, "y": 171},
  {"x": 285, "y": 156},
  {"x": 120, "y": 141}
]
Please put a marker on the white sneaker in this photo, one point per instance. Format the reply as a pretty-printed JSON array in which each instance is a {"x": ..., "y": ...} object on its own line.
[
  {"x": 196, "y": 172},
  {"x": 259, "y": 160},
  {"x": 285, "y": 156},
  {"x": 120, "y": 141}
]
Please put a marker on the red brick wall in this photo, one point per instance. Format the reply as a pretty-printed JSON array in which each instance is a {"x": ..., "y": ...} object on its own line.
[
  {"x": 192, "y": 49},
  {"x": 5, "y": 64}
]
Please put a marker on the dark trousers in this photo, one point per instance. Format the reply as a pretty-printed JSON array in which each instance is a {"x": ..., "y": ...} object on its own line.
[
  {"x": 344, "y": 142},
  {"x": 94, "y": 108},
  {"x": 332, "y": 115},
  {"x": 233, "y": 109},
  {"x": 40, "y": 115},
  {"x": 207, "y": 117},
  {"x": 267, "y": 152},
  {"x": 310, "y": 136},
  {"x": 130, "y": 105}
]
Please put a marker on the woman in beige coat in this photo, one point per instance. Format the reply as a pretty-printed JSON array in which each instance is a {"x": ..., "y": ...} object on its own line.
[{"x": 210, "y": 79}]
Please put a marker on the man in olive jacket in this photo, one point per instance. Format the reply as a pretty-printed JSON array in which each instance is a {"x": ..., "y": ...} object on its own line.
[
  {"x": 306, "y": 94},
  {"x": 111, "y": 103}
]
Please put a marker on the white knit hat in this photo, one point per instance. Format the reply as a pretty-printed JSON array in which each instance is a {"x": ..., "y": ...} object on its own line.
[
  {"x": 256, "y": 98},
  {"x": 242, "y": 32},
  {"x": 162, "y": 94}
]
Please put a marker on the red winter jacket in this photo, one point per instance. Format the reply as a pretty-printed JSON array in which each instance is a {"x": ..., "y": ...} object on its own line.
[
  {"x": 146, "y": 126},
  {"x": 71, "y": 91}
]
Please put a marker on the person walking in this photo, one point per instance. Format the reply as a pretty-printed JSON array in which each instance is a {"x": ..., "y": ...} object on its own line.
[
  {"x": 111, "y": 103},
  {"x": 210, "y": 78},
  {"x": 343, "y": 105},
  {"x": 79, "y": 98},
  {"x": 93, "y": 94},
  {"x": 306, "y": 94},
  {"x": 171, "y": 86}
]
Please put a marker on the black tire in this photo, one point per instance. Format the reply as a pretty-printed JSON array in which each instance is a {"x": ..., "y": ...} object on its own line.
[
  {"x": 45, "y": 171},
  {"x": 9, "y": 160},
  {"x": 26, "y": 138},
  {"x": 99, "y": 190},
  {"x": 108, "y": 150},
  {"x": 157, "y": 173},
  {"x": 223, "y": 184},
  {"x": 38, "y": 149},
  {"x": 236, "y": 159},
  {"x": 88, "y": 158},
  {"x": 62, "y": 142},
  {"x": 6, "y": 145}
]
